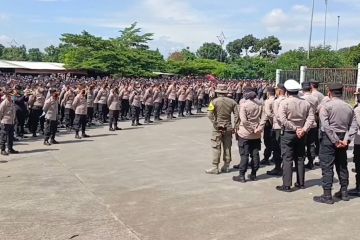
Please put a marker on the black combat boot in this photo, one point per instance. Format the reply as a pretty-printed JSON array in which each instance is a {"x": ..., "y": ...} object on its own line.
[
  {"x": 53, "y": 141},
  {"x": 12, "y": 151},
  {"x": 252, "y": 176},
  {"x": 342, "y": 194},
  {"x": 240, "y": 178},
  {"x": 283, "y": 188},
  {"x": 274, "y": 172},
  {"x": 325, "y": 198},
  {"x": 355, "y": 192}
]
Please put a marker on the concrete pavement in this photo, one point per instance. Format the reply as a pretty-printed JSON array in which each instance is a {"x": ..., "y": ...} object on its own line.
[{"x": 149, "y": 183}]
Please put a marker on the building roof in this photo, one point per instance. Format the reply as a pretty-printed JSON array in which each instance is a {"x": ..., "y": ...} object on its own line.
[{"x": 32, "y": 65}]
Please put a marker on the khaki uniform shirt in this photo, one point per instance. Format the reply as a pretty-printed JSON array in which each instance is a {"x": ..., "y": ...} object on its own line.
[
  {"x": 250, "y": 116},
  {"x": 51, "y": 109},
  {"x": 294, "y": 113},
  {"x": 220, "y": 110},
  {"x": 336, "y": 116}
]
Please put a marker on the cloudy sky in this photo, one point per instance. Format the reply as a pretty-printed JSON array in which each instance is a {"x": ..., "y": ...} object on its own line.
[{"x": 178, "y": 23}]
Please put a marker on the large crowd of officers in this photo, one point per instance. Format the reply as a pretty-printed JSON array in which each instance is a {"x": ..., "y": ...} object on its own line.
[
  {"x": 40, "y": 105},
  {"x": 296, "y": 122}
]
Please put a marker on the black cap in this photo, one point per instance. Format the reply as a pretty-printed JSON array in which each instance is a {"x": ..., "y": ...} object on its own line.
[
  {"x": 335, "y": 87},
  {"x": 250, "y": 89},
  {"x": 306, "y": 86},
  {"x": 313, "y": 81},
  {"x": 270, "y": 90},
  {"x": 281, "y": 86}
]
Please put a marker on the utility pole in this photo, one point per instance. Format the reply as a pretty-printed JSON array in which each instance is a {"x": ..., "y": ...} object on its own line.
[
  {"x": 337, "y": 35},
  {"x": 221, "y": 39},
  {"x": 311, "y": 28},
  {"x": 326, "y": 10}
]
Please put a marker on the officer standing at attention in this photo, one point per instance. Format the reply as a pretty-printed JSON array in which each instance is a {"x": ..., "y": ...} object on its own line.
[
  {"x": 268, "y": 136},
  {"x": 356, "y": 190},
  {"x": 296, "y": 117},
  {"x": 220, "y": 110},
  {"x": 249, "y": 139},
  {"x": 277, "y": 171},
  {"x": 313, "y": 133},
  {"x": 315, "y": 92},
  {"x": 51, "y": 109},
  {"x": 7, "y": 119},
  {"x": 336, "y": 117}
]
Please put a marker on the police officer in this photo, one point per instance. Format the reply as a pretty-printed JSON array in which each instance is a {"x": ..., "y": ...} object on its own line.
[
  {"x": 336, "y": 117},
  {"x": 268, "y": 136},
  {"x": 90, "y": 104},
  {"x": 51, "y": 109},
  {"x": 220, "y": 110},
  {"x": 296, "y": 117},
  {"x": 80, "y": 106},
  {"x": 7, "y": 119},
  {"x": 312, "y": 135},
  {"x": 356, "y": 190},
  {"x": 149, "y": 104},
  {"x": 249, "y": 139},
  {"x": 277, "y": 159},
  {"x": 113, "y": 103},
  {"x": 135, "y": 105},
  {"x": 315, "y": 92}
]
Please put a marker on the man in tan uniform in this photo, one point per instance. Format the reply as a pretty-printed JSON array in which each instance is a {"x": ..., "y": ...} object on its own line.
[
  {"x": 248, "y": 139},
  {"x": 296, "y": 117},
  {"x": 220, "y": 110}
]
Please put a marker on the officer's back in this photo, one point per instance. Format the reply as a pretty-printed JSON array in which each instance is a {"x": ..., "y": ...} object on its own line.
[{"x": 224, "y": 106}]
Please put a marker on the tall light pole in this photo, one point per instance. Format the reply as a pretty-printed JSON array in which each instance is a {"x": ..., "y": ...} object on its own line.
[
  {"x": 326, "y": 10},
  {"x": 337, "y": 35},
  {"x": 311, "y": 28}
]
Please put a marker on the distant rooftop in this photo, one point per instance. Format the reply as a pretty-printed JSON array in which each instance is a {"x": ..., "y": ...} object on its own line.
[{"x": 32, "y": 65}]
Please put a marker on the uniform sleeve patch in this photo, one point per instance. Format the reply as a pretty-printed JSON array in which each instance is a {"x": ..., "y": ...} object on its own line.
[{"x": 211, "y": 107}]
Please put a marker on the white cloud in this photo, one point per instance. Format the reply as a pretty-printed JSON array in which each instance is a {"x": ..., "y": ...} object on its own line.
[
  {"x": 300, "y": 9},
  {"x": 275, "y": 20}
]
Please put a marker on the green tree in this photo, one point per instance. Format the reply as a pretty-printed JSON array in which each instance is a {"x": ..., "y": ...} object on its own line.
[
  {"x": 292, "y": 60},
  {"x": 249, "y": 43},
  {"x": 131, "y": 37},
  {"x": 268, "y": 47},
  {"x": 235, "y": 49},
  {"x": 188, "y": 54},
  {"x": 321, "y": 57},
  {"x": 51, "y": 54},
  {"x": 351, "y": 55},
  {"x": 35, "y": 55},
  {"x": 2, "y": 47},
  {"x": 212, "y": 51},
  {"x": 15, "y": 53}
]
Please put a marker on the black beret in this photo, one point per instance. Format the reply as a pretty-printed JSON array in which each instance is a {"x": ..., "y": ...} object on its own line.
[
  {"x": 281, "y": 86},
  {"x": 335, "y": 87},
  {"x": 271, "y": 90},
  {"x": 250, "y": 89},
  {"x": 313, "y": 81},
  {"x": 306, "y": 86}
]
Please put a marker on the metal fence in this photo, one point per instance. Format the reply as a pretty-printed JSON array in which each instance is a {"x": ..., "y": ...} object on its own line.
[
  {"x": 346, "y": 76},
  {"x": 289, "y": 74}
]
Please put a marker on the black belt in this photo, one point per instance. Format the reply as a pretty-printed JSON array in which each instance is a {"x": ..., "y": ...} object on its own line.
[{"x": 291, "y": 132}]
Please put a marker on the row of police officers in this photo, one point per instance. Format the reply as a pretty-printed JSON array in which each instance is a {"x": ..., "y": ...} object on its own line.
[{"x": 296, "y": 122}]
